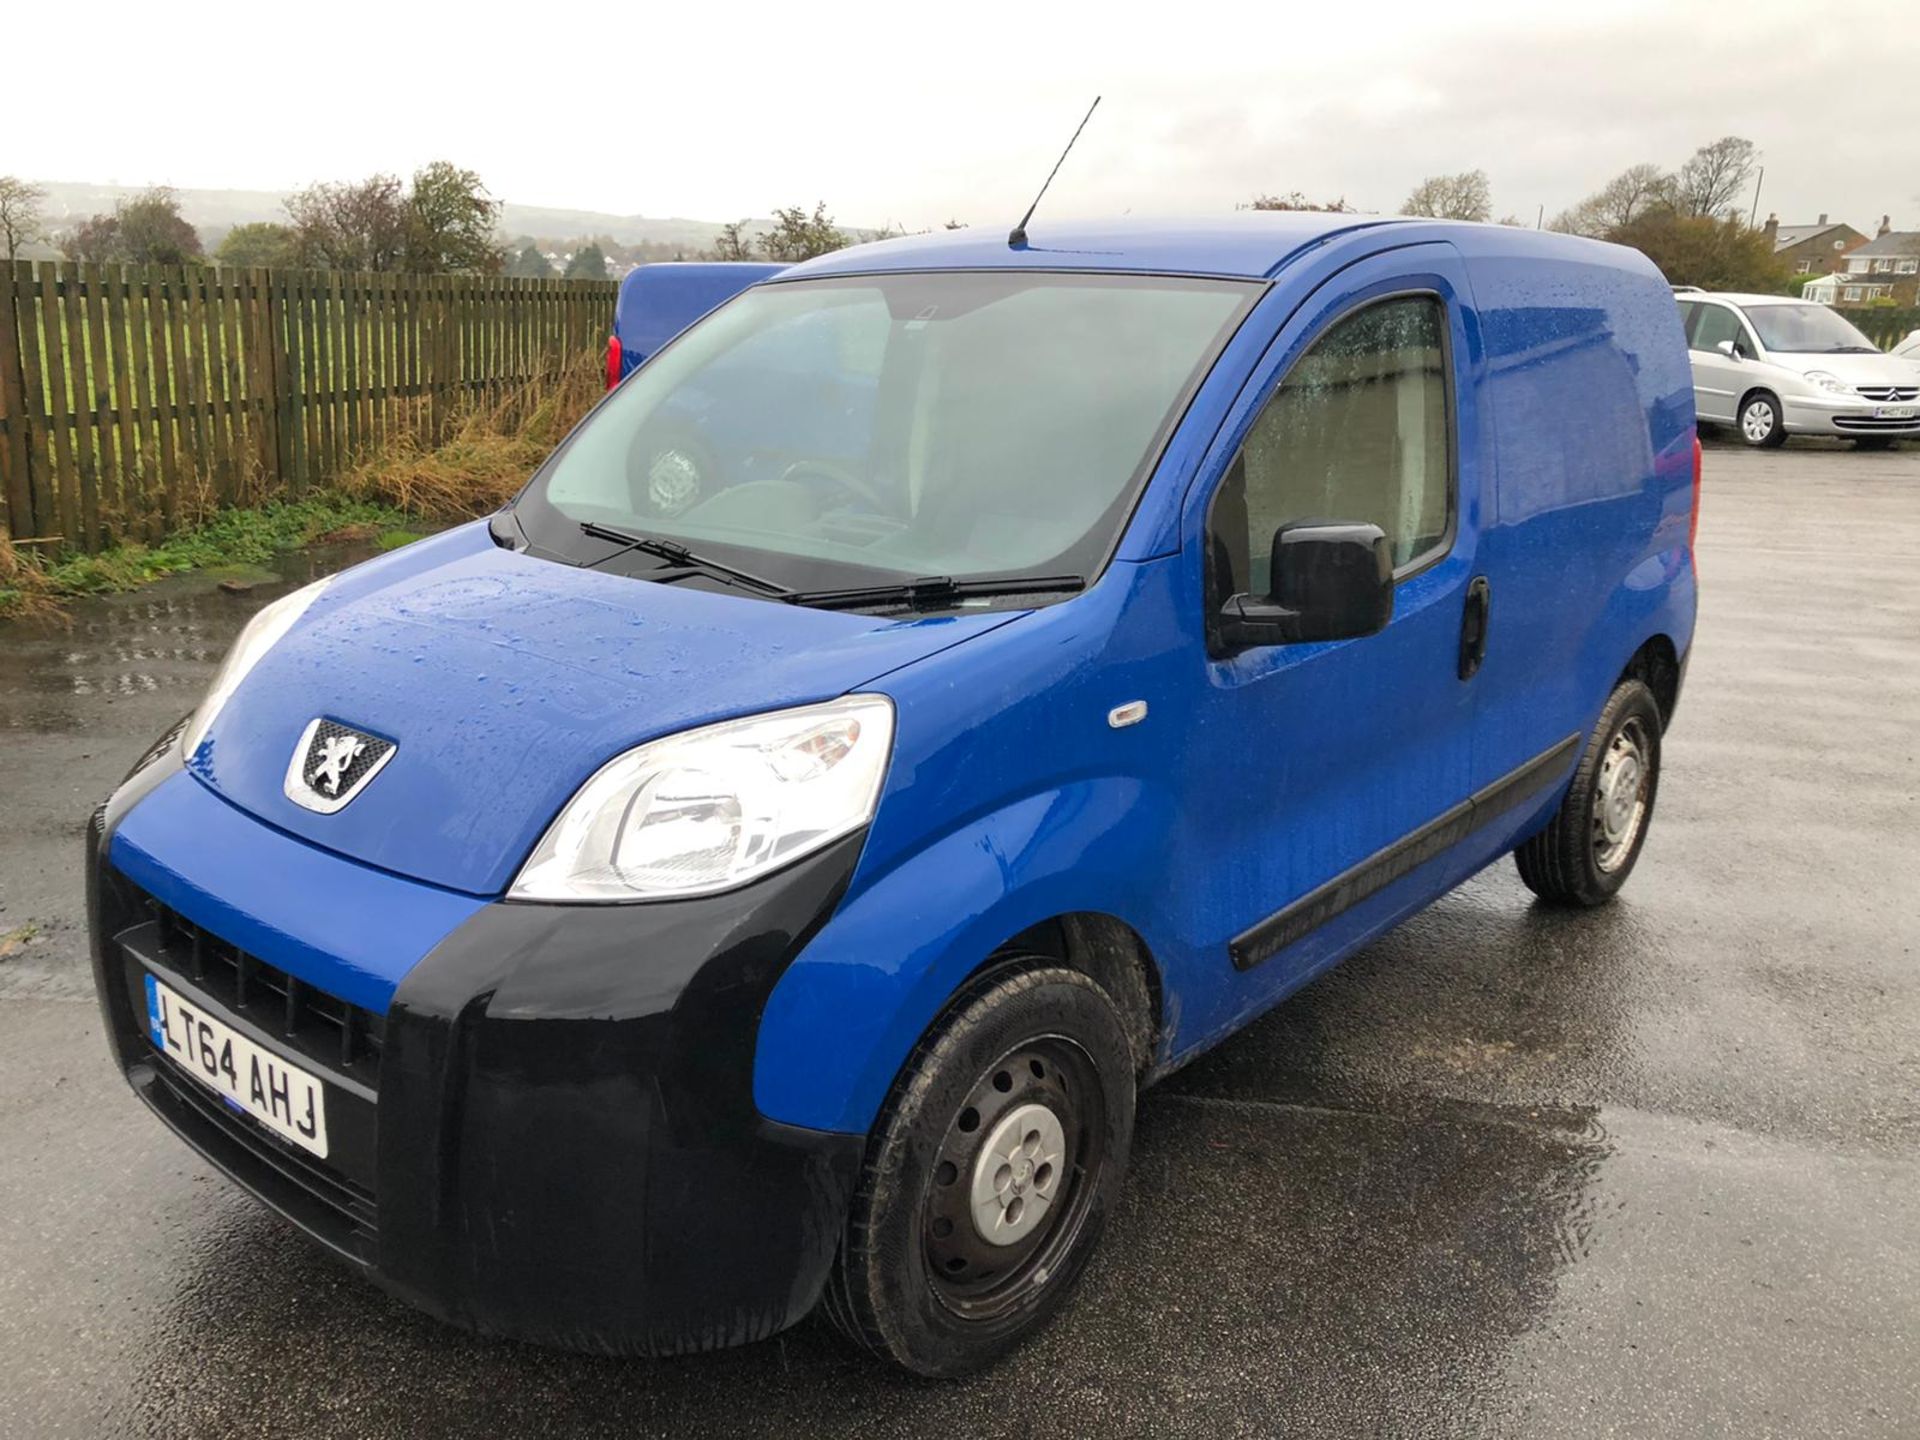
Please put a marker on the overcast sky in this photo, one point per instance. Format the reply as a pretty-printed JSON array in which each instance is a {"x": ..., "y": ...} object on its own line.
[{"x": 913, "y": 113}]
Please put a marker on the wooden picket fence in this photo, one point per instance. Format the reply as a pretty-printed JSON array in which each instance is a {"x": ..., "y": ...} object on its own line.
[{"x": 135, "y": 397}]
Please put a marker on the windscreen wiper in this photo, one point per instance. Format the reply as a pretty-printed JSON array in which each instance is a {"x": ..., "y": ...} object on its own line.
[
  {"x": 936, "y": 590},
  {"x": 633, "y": 542}
]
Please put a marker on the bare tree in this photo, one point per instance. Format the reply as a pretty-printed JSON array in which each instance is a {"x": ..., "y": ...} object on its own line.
[
  {"x": 1297, "y": 200},
  {"x": 1621, "y": 201},
  {"x": 1466, "y": 196},
  {"x": 733, "y": 243},
  {"x": 20, "y": 221},
  {"x": 1715, "y": 176}
]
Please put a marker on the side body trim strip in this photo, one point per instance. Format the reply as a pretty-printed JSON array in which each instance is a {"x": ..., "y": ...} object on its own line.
[{"x": 1412, "y": 850}]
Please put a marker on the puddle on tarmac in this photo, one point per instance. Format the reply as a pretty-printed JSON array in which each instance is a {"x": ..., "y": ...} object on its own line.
[{"x": 163, "y": 637}]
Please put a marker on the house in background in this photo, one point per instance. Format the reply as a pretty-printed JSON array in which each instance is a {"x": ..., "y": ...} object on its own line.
[
  {"x": 1817, "y": 249},
  {"x": 1884, "y": 271}
]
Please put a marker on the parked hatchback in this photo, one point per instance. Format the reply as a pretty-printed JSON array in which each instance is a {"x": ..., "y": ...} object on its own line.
[
  {"x": 1771, "y": 367},
  {"x": 700, "y": 893}
]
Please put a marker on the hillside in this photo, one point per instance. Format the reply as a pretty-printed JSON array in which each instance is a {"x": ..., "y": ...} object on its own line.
[{"x": 214, "y": 212}]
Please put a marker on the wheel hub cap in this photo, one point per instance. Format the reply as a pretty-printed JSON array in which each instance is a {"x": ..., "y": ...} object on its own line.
[
  {"x": 1620, "y": 799},
  {"x": 1017, "y": 1175}
]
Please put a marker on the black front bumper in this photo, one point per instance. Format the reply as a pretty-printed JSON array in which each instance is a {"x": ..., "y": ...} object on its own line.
[{"x": 551, "y": 1133}]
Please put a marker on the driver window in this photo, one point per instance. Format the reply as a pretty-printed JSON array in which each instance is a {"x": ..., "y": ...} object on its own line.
[{"x": 1358, "y": 431}]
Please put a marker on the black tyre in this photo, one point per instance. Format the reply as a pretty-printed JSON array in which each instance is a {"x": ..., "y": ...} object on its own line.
[
  {"x": 1874, "y": 442},
  {"x": 989, "y": 1173},
  {"x": 1588, "y": 849},
  {"x": 1760, "y": 422}
]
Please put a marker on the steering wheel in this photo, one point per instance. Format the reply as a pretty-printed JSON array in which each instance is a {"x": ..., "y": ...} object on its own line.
[
  {"x": 804, "y": 470},
  {"x": 670, "y": 469}
]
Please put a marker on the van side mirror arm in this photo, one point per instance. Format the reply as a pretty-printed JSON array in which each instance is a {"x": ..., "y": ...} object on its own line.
[
  {"x": 1330, "y": 580},
  {"x": 1249, "y": 620}
]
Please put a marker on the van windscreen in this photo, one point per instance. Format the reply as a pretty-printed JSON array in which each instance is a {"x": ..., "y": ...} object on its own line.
[{"x": 852, "y": 430}]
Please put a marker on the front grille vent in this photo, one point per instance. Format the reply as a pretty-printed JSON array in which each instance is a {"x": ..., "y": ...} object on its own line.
[
  {"x": 322, "y": 1025},
  {"x": 1889, "y": 394},
  {"x": 1868, "y": 423}
]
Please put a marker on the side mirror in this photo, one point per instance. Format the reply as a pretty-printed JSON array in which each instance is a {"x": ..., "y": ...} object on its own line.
[
  {"x": 1729, "y": 348},
  {"x": 1331, "y": 580}
]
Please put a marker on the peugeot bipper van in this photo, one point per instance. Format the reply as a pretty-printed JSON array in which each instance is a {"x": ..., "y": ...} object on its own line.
[{"x": 948, "y": 686}]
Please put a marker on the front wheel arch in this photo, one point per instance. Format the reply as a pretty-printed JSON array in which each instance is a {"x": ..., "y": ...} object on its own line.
[{"x": 1107, "y": 951}]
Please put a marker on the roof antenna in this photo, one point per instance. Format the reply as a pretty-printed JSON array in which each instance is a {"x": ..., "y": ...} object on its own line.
[{"x": 1018, "y": 235}]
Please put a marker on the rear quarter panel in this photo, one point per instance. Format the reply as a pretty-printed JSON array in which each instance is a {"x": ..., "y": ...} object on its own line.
[{"x": 1589, "y": 398}]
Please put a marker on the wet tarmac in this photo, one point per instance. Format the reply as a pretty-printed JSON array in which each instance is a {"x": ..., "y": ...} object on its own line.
[{"x": 1653, "y": 1170}]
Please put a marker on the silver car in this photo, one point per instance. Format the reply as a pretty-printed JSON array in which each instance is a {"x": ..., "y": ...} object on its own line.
[{"x": 1772, "y": 367}]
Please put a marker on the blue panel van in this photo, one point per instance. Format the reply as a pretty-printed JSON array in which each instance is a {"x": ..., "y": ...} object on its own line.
[{"x": 946, "y": 687}]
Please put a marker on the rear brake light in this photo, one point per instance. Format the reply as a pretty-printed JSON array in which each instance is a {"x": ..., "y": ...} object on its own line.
[
  {"x": 613, "y": 361},
  {"x": 1693, "y": 520}
]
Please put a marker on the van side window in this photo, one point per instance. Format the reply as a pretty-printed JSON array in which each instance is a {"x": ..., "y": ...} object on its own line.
[{"x": 1358, "y": 430}]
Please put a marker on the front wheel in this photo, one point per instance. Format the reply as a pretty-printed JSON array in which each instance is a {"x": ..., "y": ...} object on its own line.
[
  {"x": 1761, "y": 423},
  {"x": 989, "y": 1173},
  {"x": 1588, "y": 849}
]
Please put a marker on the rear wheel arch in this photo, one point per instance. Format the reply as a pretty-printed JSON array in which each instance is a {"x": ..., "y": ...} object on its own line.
[{"x": 1656, "y": 664}]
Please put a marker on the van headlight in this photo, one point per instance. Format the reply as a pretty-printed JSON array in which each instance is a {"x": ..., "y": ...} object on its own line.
[
  {"x": 261, "y": 634},
  {"x": 716, "y": 807},
  {"x": 1829, "y": 382}
]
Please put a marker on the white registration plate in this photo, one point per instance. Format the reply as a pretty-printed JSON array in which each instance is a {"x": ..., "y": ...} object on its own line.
[
  {"x": 250, "y": 1078},
  {"x": 1896, "y": 412}
]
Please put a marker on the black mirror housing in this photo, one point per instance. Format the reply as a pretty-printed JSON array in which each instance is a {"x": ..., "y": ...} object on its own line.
[{"x": 1331, "y": 580}]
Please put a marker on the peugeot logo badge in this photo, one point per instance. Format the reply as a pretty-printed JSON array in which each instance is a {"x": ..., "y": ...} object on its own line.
[{"x": 332, "y": 764}]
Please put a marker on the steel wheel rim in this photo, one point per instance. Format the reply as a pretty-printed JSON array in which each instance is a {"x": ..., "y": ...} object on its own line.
[
  {"x": 1757, "y": 420},
  {"x": 1620, "y": 794},
  {"x": 979, "y": 1270}
]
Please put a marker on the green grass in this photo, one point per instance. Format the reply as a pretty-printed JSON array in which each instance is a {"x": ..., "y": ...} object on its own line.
[
  {"x": 17, "y": 939},
  {"x": 234, "y": 540}
]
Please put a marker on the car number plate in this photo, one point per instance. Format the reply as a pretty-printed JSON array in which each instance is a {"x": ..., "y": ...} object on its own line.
[
  {"x": 250, "y": 1078},
  {"x": 1896, "y": 412}
]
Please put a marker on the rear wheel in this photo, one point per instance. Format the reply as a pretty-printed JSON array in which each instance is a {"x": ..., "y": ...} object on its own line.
[
  {"x": 1761, "y": 423},
  {"x": 1590, "y": 846},
  {"x": 989, "y": 1174}
]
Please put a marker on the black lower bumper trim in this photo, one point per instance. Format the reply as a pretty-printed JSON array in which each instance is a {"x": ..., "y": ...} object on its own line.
[{"x": 556, "y": 1138}]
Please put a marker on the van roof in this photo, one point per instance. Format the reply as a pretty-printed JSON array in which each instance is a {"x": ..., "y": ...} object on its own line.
[{"x": 1247, "y": 244}]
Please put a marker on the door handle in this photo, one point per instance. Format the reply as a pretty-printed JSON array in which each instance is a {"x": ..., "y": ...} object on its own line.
[{"x": 1473, "y": 626}]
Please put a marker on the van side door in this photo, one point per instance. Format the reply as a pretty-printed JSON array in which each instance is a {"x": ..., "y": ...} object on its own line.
[{"x": 1326, "y": 779}]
